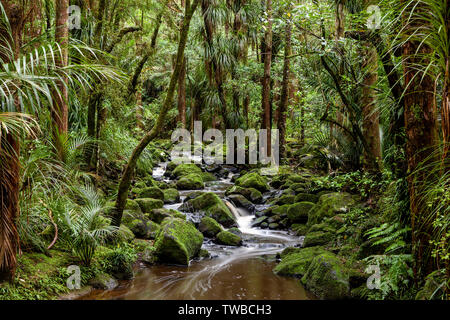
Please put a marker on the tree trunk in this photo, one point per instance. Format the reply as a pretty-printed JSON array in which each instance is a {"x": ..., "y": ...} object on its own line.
[
  {"x": 421, "y": 140},
  {"x": 267, "y": 121},
  {"x": 182, "y": 96},
  {"x": 60, "y": 108},
  {"x": 125, "y": 182},
  {"x": 371, "y": 116},
  {"x": 285, "y": 86}
]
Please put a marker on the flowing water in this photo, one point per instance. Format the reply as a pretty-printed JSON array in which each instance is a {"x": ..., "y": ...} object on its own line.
[{"x": 232, "y": 273}]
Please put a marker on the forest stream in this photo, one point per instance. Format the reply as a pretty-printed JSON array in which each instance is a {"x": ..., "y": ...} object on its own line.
[{"x": 230, "y": 273}]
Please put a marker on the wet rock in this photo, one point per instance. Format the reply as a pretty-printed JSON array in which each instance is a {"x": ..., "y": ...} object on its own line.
[
  {"x": 285, "y": 199},
  {"x": 299, "y": 229},
  {"x": 250, "y": 194},
  {"x": 295, "y": 261},
  {"x": 228, "y": 239},
  {"x": 273, "y": 226},
  {"x": 241, "y": 201},
  {"x": 210, "y": 205},
  {"x": 177, "y": 242},
  {"x": 209, "y": 227},
  {"x": 264, "y": 225},
  {"x": 103, "y": 281},
  {"x": 258, "y": 221},
  {"x": 273, "y": 219}
]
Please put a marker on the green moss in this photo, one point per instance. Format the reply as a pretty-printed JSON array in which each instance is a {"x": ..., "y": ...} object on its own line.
[
  {"x": 158, "y": 215},
  {"x": 178, "y": 241},
  {"x": 299, "y": 212},
  {"x": 295, "y": 261},
  {"x": 253, "y": 180},
  {"x": 329, "y": 205},
  {"x": 228, "y": 239},
  {"x": 171, "y": 195},
  {"x": 317, "y": 238},
  {"x": 209, "y": 227},
  {"x": 251, "y": 194},
  {"x": 283, "y": 200},
  {"x": 208, "y": 177},
  {"x": 148, "y": 204},
  {"x": 212, "y": 206},
  {"x": 191, "y": 181},
  {"x": 185, "y": 169},
  {"x": 306, "y": 197},
  {"x": 151, "y": 192}
]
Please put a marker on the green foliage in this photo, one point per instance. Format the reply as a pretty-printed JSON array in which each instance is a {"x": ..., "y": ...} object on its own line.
[{"x": 118, "y": 259}]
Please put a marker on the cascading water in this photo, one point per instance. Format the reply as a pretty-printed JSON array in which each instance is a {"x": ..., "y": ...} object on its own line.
[{"x": 231, "y": 273}]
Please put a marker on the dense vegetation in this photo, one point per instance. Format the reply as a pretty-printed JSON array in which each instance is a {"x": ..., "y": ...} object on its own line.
[{"x": 361, "y": 103}]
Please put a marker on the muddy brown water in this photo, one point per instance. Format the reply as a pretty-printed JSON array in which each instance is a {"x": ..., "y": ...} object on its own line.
[{"x": 243, "y": 273}]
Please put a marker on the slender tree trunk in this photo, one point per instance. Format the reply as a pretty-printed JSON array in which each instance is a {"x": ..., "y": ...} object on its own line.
[
  {"x": 421, "y": 140},
  {"x": 182, "y": 96},
  {"x": 267, "y": 121},
  {"x": 371, "y": 116},
  {"x": 125, "y": 181},
  {"x": 60, "y": 108},
  {"x": 285, "y": 86}
]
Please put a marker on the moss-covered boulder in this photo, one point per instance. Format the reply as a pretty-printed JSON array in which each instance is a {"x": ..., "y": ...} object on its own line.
[
  {"x": 299, "y": 229},
  {"x": 295, "y": 261},
  {"x": 145, "y": 251},
  {"x": 306, "y": 197},
  {"x": 329, "y": 205},
  {"x": 253, "y": 195},
  {"x": 280, "y": 210},
  {"x": 228, "y": 239},
  {"x": 158, "y": 215},
  {"x": 148, "y": 204},
  {"x": 191, "y": 181},
  {"x": 299, "y": 212},
  {"x": 185, "y": 169},
  {"x": 317, "y": 238},
  {"x": 209, "y": 227},
  {"x": 178, "y": 241},
  {"x": 327, "y": 277},
  {"x": 143, "y": 229},
  {"x": 171, "y": 196},
  {"x": 241, "y": 201},
  {"x": 125, "y": 234},
  {"x": 151, "y": 192},
  {"x": 285, "y": 199},
  {"x": 253, "y": 180},
  {"x": 103, "y": 281},
  {"x": 210, "y": 205},
  {"x": 208, "y": 177}
]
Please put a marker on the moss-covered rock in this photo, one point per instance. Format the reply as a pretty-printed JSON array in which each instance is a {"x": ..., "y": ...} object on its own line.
[
  {"x": 211, "y": 205},
  {"x": 145, "y": 251},
  {"x": 148, "y": 204},
  {"x": 208, "y": 177},
  {"x": 285, "y": 199},
  {"x": 178, "y": 241},
  {"x": 144, "y": 229},
  {"x": 103, "y": 281},
  {"x": 158, "y": 215},
  {"x": 125, "y": 234},
  {"x": 132, "y": 205},
  {"x": 299, "y": 229},
  {"x": 241, "y": 201},
  {"x": 251, "y": 194},
  {"x": 253, "y": 180},
  {"x": 191, "y": 181},
  {"x": 171, "y": 195},
  {"x": 299, "y": 212},
  {"x": 327, "y": 277},
  {"x": 295, "y": 261},
  {"x": 151, "y": 192},
  {"x": 280, "y": 210},
  {"x": 185, "y": 169},
  {"x": 228, "y": 239},
  {"x": 329, "y": 205},
  {"x": 306, "y": 197},
  {"x": 317, "y": 238},
  {"x": 209, "y": 227}
]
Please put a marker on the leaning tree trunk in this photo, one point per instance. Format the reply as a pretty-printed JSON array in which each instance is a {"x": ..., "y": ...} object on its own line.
[
  {"x": 125, "y": 182},
  {"x": 266, "y": 106},
  {"x": 182, "y": 95},
  {"x": 421, "y": 140}
]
